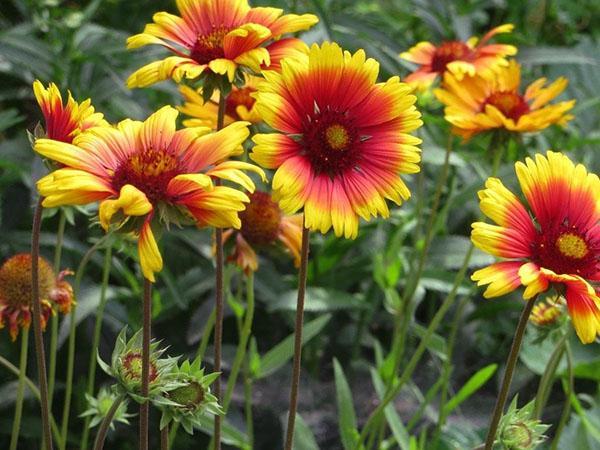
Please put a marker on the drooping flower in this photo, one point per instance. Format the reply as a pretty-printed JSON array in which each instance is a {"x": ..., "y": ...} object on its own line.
[
  {"x": 547, "y": 312},
  {"x": 65, "y": 121},
  {"x": 15, "y": 293},
  {"x": 477, "y": 104},
  {"x": 555, "y": 242},
  {"x": 263, "y": 224},
  {"x": 215, "y": 35},
  {"x": 342, "y": 139},
  {"x": 457, "y": 57},
  {"x": 148, "y": 173},
  {"x": 239, "y": 105}
]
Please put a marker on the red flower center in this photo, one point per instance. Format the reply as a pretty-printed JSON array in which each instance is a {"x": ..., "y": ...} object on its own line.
[
  {"x": 511, "y": 104},
  {"x": 448, "y": 52},
  {"x": 132, "y": 367},
  {"x": 150, "y": 171},
  {"x": 239, "y": 97},
  {"x": 260, "y": 219},
  {"x": 209, "y": 46},
  {"x": 565, "y": 250},
  {"x": 329, "y": 141}
]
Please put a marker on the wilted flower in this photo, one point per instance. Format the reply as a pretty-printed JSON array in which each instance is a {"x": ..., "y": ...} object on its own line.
[
  {"x": 99, "y": 406},
  {"x": 263, "y": 224},
  {"x": 518, "y": 429},
  {"x": 477, "y": 104},
  {"x": 192, "y": 399},
  {"x": 457, "y": 57},
  {"x": 342, "y": 139},
  {"x": 557, "y": 243},
  {"x": 15, "y": 293},
  {"x": 217, "y": 36},
  {"x": 146, "y": 174}
]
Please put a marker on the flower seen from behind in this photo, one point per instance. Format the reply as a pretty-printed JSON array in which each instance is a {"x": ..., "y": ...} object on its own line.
[
  {"x": 263, "y": 225},
  {"x": 554, "y": 242},
  {"x": 148, "y": 173},
  {"x": 457, "y": 57},
  {"x": 219, "y": 36},
  {"x": 478, "y": 104},
  {"x": 342, "y": 139},
  {"x": 15, "y": 293}
]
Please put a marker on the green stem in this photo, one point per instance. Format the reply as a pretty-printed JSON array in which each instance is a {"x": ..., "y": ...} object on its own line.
[
  {"x": 147, "y": 323},
  {"x": 34, "y": 390},
  {"x": 96, "y": 341},
  {"x": 71, "y": 346},
  {"x": 543, "y": 392},
  {"x": 243, "y": 344},
  {"x": 569, "y": 389},
  {"x": 37, "y": 326},
  {"x": 208, "y": 329},
  {"x": 511, "y": 362},
  {"x": 62, "y": 220},
  {"x": 220, "y": 263},
  {"x": 289, "y": 437},
  {"x": 248, "y": 403},
  {"x": 105, "y": 425},
  {"x": 14, "y": 436}
]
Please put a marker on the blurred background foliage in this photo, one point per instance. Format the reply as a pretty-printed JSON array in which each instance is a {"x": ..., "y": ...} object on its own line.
[{"x": 80, "y": 45}]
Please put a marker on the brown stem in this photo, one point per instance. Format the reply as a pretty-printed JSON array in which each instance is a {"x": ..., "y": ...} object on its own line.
[
  {"x": 144, "y": 407},
  {"x": 37, "y": 326},
  {"x": 219, "y": 295},
  {"x": 508, "y": 374},
  {"x": 289, "y": 437},
  {"x": 105, "y": 425}
]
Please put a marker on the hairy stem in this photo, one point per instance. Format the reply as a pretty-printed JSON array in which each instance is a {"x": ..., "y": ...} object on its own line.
[
  {"x": 105, "y": 425},
  {"x": 145, "y": 407},
  {"x": 14, "y": 436}
]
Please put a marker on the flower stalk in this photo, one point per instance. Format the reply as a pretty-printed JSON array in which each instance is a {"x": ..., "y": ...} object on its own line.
[
  {"x": 147, "y": 323},
  {"x": 105, "y": 425},
  {"x": 14, "y": 435}
]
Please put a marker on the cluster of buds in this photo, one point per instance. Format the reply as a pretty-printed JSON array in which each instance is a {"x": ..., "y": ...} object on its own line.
[{"x": 519, "y": 430}]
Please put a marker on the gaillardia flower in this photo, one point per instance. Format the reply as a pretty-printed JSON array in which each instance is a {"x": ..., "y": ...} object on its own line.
[
  {"x": 215, "y": 35},
  {"x": 15, "y": 293},
  {"x": 477, "y": 104},
  {"x": 343, "y": 140},
  {"x": 547, "y": 312},
  {"x": 65, "y": 121},
  {"x": 140, "y": 171},
  {"x": 558, "y": 243},
  {"x": 239, "y": 105},
  {"x": 457, "y": 57},
  {"x": 263, "y": 224}
]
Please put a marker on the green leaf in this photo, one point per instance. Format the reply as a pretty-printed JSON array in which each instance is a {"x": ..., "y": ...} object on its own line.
[
  {"x": 398, "y": 430},
  {"x": 555, "y": 55},
  {"x": 230, "y": 435},
  {"x": 303, "y": 437},
  {"x": 470, "y": 387},
  {"x": 318, "y": 300},
  {"x": 282, "y": 352},
  {"x": 346, "y": 413}
]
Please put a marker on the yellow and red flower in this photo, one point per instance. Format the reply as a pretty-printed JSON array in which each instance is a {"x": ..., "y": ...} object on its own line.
[
  {"x": 343, "y": 140},
  {"x": 215, "y": 35},
  {"x": 65, "y": 121},
  {"x": 15, "y": 293},
  {"x": 477, "y": 104},
  {"x": 239, "y": 105},
  {"x": 263, "y": 224},
  {"x": 457, "y": 57},
  {"x": 145, "y": 170},
  {"x": 557, "y": 244},
  {"x": 547, "y": 312}
]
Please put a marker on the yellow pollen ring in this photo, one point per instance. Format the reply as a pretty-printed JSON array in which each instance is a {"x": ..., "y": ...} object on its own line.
[
  {"x": 572, "y": 246},
  {"x": 160, "y": 162},
  {"x": 337, "y": 137}
]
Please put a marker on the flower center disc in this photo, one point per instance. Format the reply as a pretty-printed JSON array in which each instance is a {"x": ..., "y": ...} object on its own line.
[
  {"x": 132, "y": 365},
  {"x": 15, "y": 280},
  {"x": 189, "y": 396},
  {"x": 209, "y": 46},
  {"x": 511, "y": 104},
  {"x": 572, "y": 246},
  {"x": 448, "y": 52},
  {"x": 260, "y": 219},
  {"x": 337, "y": 137},
  {"x": 150, "y": 171}
]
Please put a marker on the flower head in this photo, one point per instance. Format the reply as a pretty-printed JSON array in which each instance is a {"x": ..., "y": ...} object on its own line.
[
  {"x": 457, "y": 57},
  {"x": 477, "y": 104},
  {"x": 148, "y": 173},
  {"x": 519, "y": 430},
  {"x": 189, "y": 402},
  {"x": 218, "y": 36},
  {"x": 15, "y": 293},
  {"x": 556, "y": 241},
  {"x": 342, "y": 139},
  {"x": 99, "y": 406},
  {"x": 239, "y": 105},
  {"x": 65, "y": 121},
  {"x": 548, "y": 311},
  {"x": 263, "y": 224}
]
